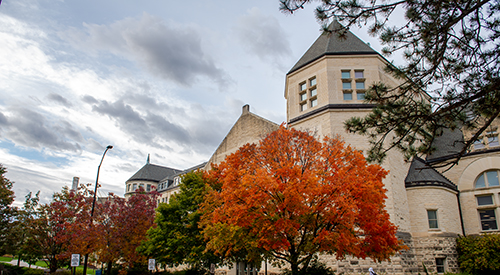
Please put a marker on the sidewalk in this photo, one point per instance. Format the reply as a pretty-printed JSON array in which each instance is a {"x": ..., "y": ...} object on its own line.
[{"x": 24, "y": 264}]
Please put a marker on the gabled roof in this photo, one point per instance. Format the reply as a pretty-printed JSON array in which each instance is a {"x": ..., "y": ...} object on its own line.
[
  {"x": 153, "y": 172},
  {"x": 421, "y": 174},
  {"x": 332, "y": 44}
]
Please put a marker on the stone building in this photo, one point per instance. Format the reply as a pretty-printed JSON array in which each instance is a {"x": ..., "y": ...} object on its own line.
[{"x": 430, "y": 207}]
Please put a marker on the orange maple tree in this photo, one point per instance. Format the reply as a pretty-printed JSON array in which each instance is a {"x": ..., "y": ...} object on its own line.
[{"x": 292, "y": 196}]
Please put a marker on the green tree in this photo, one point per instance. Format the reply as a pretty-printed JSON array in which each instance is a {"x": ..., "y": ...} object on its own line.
[
  {"x": 7, "y": 211},
  {"x": 452, "y": 51},
  {"x": 479, "y": 254},
  {"x": 177, "y": 238}
]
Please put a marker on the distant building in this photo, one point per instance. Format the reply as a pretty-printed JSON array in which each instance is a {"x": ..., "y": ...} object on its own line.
[{"x": 431, "y": 207}]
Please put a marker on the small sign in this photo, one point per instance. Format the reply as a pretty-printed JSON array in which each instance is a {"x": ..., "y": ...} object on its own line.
[
  {"x": 151, "y": 264},
  {"x": 75, "y": 260}
]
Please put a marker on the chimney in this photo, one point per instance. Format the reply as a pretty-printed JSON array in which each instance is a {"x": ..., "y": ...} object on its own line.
[
  {"x": 246, "y": 109},
  {"x": 76, "y": 180}
]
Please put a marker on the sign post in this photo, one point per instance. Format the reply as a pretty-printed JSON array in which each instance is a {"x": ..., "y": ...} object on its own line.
[
  {"x": 151, "y": 265},
  {"x": 75, "y": 261}
]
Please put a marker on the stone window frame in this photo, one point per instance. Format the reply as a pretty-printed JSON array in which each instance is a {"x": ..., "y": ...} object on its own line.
[
  {"x": 433, "y": 210},
  {"x": 308, "y": 93},
  {"x": 483, "y": 209},
  {"x": 353, "y": 90},
  {"x": 490, "y": 139}
]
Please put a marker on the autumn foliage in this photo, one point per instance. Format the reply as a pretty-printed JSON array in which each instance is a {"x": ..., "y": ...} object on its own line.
[{"x": 292, "y": 196}]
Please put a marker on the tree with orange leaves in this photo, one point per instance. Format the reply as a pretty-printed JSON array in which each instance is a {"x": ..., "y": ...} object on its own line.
[{"x": 291, "y": 197}]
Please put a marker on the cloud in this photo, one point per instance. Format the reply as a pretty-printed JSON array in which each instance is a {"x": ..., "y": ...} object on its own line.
[
  {"x": 263, "y": 36},
  {"x": 29, "y": 128},
  {"x": 172, "y": 53},
  {"x": 59, "y": 99},
  {"x": 144, "y": 127}
]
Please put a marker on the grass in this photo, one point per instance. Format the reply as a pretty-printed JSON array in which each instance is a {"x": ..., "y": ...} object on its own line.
[{"x": 5, "y": 259}]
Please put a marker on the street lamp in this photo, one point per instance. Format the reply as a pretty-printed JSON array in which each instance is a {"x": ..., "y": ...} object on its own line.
[{"x": 93, "y": 205}]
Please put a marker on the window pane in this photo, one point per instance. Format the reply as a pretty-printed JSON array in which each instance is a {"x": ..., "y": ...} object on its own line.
[
  {"x": 492, "y": 178},
  {"x": 360, "y": 85},
  {"x": 488, "y": 219},
  {"x": 302, "y": 86},
  {"x": 478, "y": 144},
  {"x": 440, "y": 265},
  {"x": 432, "y": 217},
  {"x": 346, "y": 74},
  {"x": 303, "y": 97},
  {"x": 361, "y": 96},
  {"x": 347, "y": 96},
  {"x": 314, "y": 102},
  {"x": 303, "y": 107},
  {"x": 346, "y": 85},
  {"x": 314, "y": 92},
  {"x": 359, "y": 74},
  {"x": 493, "y": 141},
  {"x": 312, "y": 82},
  {"x": 148, "y": 187},
  {"x": 484, "y": 200},
  {"x": 480, "y": 182}
]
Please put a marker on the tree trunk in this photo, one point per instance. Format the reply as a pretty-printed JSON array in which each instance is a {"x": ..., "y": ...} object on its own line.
[{"x": 109, "y": 265}]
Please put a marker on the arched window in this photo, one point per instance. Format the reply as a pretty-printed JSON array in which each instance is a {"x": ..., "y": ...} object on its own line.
[{"x": 487, "y": 179}]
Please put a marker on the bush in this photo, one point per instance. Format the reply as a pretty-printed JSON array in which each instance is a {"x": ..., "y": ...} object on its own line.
[
  {"x": 479, "y": 254},
  {"x": 32, "y": 271}
]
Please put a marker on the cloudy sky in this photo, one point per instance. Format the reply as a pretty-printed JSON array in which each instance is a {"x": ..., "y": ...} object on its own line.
[{"x": 166, "y": 78}]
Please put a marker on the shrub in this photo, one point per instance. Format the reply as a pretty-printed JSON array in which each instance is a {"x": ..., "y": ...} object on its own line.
[
  {"x": 479, "y": 254},
  {"x": 32, "y": 271}
]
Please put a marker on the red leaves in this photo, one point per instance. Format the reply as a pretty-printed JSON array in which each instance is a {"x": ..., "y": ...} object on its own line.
[{"x": 294, "y": 195}]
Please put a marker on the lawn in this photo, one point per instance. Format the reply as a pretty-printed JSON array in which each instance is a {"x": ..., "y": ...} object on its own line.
[{"x": 5, "y": 259}]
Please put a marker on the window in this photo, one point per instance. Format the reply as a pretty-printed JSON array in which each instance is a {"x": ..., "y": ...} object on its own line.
[
  {"x": 308, "y": 94},
  {"x": 314, "y": 102},
  {"x": 478, "y": 144},
  {"x": 432, "y": 217},
  {"x": 488, "y": 219},
  {"x": 302, "y": 86},
  {"x": 128, "y": 187},
  {"x": 492, "y": 138},
  {"x": 360, "y": 85},
  {"x": 134, "y": 187},
  {"x": 359, "y": 74},
  {"x": 360, "y": 95},
  {"x": 148, "y": 188},
  {"x": 347, "y": 96},
  {"x": 440, "y": 265},
  {"x": 346, "y": 74},
  {"x": 484, "y": 200},
  {"x": 488, "y": 179},
  {"x": 346, "y": 85}
]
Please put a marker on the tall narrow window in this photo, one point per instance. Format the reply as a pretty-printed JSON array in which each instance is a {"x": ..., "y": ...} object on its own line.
[
  {"x": 303, "y": 107},
  {"x": 432, "y": 217},
  {"x": 314, "y": 92},
  {"x": 314, "y": 102},
  {"x": 303, "y": 96},
  {"x": 312, "y": 82},
  {"x": 302, "y": 86},
  {"x": 440, "y": 265}
]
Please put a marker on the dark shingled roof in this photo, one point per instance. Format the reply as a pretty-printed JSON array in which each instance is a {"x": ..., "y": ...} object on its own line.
[
  {"x": 449, "y": 143},
  {"x": 153, "y": 172},
  {"x": 420, "y": 174},
  {"x": 332, "y": 44},
  {"x": 194, "y": 168}
]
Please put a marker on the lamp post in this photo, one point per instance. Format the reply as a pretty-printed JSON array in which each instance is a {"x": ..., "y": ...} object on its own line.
[{"x": 93, "y": 205}]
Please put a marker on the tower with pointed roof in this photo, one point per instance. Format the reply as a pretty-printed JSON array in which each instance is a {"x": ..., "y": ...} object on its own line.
[{"x": 327, "y": 86}]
